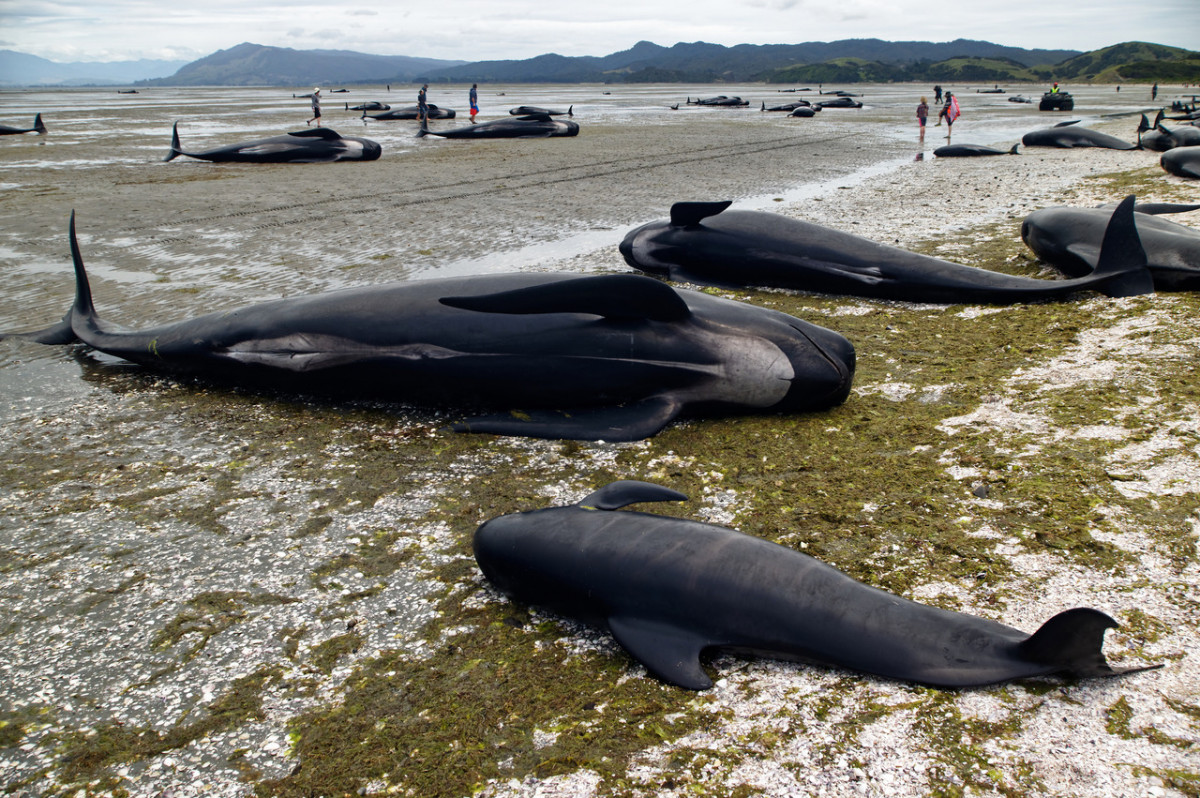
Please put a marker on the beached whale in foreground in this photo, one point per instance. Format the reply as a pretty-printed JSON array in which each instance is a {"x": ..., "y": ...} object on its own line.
[
  {"x": 1069, "y": 134},
  {"x": 38, "y": 127},
  {"x": 534, "y": 126},
  {"x": 1182, "y": 161},
  {"x": 316, "y": 145},
  {"x": 704, "y": 243},
  {"x": 1070, "y": 239},
  {"x": 610, "y": 357},
  {"x": 972, "y": 151},
  {"x": 670, "y": 589}
]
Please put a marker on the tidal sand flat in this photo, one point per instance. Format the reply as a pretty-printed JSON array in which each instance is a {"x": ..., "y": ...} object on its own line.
[{"x": 218, "y": 592}]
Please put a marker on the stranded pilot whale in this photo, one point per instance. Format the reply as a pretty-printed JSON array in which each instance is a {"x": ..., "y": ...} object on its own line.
[
  {"x": 38, "y": 128},
  {"x": 1070, "y": 239},
  {"x": 610, "y": 357},
  {"x": 971, "y": 151},
  {"x": 1181, "y": 161},
  {"x": 534, "y": 126},
  {"x": 703, "y": 243},
  {"x": 317, "y": 145},
  {"x": 669, "y": 589},
  {"x": 1069, "y": 134}
]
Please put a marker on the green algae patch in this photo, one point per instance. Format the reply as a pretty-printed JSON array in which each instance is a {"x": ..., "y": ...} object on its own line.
[
  {"x": 86, "y": 757},
  {"x": 209, "y": 614},
  {"x": 507, "y": 700}
]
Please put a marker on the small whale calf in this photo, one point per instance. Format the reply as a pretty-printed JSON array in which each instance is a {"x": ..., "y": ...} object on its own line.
[
  {"x": 971, "y": 151},
  {"x": 671, "y": 589}
]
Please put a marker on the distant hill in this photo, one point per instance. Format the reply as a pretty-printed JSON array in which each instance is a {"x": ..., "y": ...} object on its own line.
[
  {"x": 22, "y": 69},
  {"x": 259, "y": 65},
  {"x": 845, "y": 61},
  {"x": 701, "y": 62},
  {"x": 1132, "y": 61}
]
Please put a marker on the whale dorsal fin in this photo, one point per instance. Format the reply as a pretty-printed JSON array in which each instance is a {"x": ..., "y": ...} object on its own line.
[
  {"x": 317, "y": 133},
  {"x": 669, "y": 653},
  {"x": 687, "y": 214},
  {"x": 1068, "y": 124},
  {"x": 625, "y": 492},
  {"x": 610, "y": 295},
  {"x": 1122, "y": 251}
]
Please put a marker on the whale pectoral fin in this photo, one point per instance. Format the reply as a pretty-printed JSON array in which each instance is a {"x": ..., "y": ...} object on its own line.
[
  {"x": 625, "y": 492},
  {"x": 631, "y": 422},
  {"x": 609, "y": 295},
  {"x": 669, "y": 653},
  {"x": 687, "y": 214}
]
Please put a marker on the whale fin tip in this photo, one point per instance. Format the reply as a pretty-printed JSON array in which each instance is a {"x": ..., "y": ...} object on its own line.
[
  {"x": 625, "y": 492},
  {"x": 669, "y": 653}
]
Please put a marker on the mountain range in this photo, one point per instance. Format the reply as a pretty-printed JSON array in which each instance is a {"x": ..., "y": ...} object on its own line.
[
  {"x": 22, "y": 69},
  {"x": 845, "y": 61}
]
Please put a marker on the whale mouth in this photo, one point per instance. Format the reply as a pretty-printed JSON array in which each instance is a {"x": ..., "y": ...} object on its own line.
[{"x": 824, "y": 370}]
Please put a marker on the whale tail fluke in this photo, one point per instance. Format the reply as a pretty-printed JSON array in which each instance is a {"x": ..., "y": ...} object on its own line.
[
  {"x": 1072, "y": 642},
  {"x": 570, "y": 110},
  {"x": 172, "y": 154},
  {"x": 424, "y": 131},
  {"x": 38, "y": 125},
  {"x": 1122, "y": 255},
  {"x": 1014, "y": 150}
]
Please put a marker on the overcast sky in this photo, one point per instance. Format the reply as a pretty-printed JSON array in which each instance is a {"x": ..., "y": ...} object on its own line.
[{"x": 474, "y": 30}]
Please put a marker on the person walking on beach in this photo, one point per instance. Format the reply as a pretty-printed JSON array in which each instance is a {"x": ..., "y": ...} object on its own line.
[
  {"x": 922, "y": 115},
  {"x": 316, "y": 107},
  {"x": 1154, "y": 92},
  {"x": 937, "y": 93},
  {"x": 951, "y": 111},
  {"x": 422, "y": 104},
  {"x": 473, "y": 98}
]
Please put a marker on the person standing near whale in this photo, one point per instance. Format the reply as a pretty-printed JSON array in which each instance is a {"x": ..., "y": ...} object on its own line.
[
  {"x": 316, "y": 107},
  {"x": 473, "y": 98},
  {"x": 922, "y": 115},
  {"x": 951, "y": 112},
  {"x": 422, "y": 103}
]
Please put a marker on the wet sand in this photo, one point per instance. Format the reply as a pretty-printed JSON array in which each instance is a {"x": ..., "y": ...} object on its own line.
[{"x": 165, "y": 542}]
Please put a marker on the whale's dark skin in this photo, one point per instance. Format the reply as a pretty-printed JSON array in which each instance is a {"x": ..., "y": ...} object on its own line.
[
  {"x": 842, "y": 101},
  {"x": 610, "y": 357},
  {"x": 1070, "y": 240},
  {"x": 971, "y": 151},
  {"x": 788, "y": 107},
  {"x": 721, "y": 101},
  {"x": 537, "y": 126},
  {"x": 703, "y": 243},
  {"x": 316, "y": 145},
  {"x": 533, "y": 110},
  {"x": 38, "y": 127},
  {"x": 1068, "y": 134},
  {"x": 670, "y": 589},
  {"x": 1182, "y": 161},
  {"x": 805, "y": 112},
  {"x": 412, "y": 112},
  {"x": 373, "y": 105}
]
